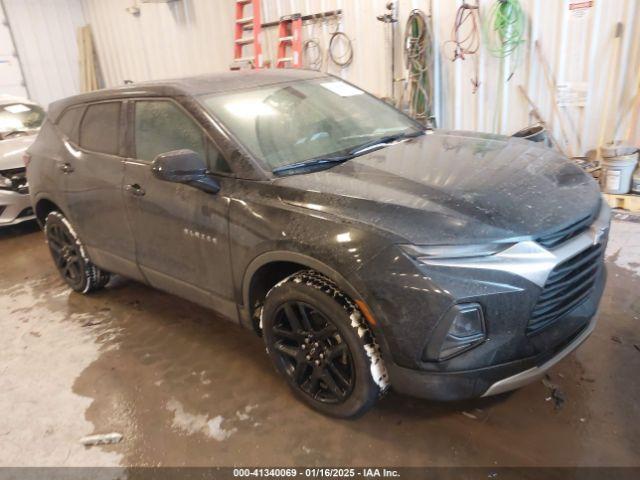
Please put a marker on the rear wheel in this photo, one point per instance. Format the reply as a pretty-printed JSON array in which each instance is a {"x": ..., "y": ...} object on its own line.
[
  {"x": 70, "y": 257},
  {"x": 318, "y": 340}
]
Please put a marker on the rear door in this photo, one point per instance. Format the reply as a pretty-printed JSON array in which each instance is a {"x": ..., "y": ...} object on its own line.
[
  {"x": 94, "y": 189},
  {"x": 181, "y": 233}
]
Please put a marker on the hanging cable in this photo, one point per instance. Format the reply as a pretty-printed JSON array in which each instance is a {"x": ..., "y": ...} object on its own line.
[
  {"x": 342, "y": 59},
  {"x": 312, "y": 50},
  {"x": 465, "y": 37},
  {"x": 418, "y": 51},
  {"x": 312, "y": 54},
  {"x": 340, "y": 50},
  {"x": 503, "y": 28}
]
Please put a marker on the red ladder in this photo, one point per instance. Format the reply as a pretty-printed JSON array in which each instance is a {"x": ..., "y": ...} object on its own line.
[
  {"x": 240, "y": 41},
  {"x": 290, "y": 36}
]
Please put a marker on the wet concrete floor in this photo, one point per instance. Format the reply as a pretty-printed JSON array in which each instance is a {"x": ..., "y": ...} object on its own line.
[{"x": 185, "y": 388}]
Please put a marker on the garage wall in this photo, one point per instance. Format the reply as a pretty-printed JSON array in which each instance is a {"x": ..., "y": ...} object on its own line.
[
  {"x": 45, "y": 36},
  {"x": 11, "y": 79},
  {"x": 189, "y": 37}
]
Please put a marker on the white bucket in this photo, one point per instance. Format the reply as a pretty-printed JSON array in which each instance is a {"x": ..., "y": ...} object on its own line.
[{"x": 617, "y": 172}]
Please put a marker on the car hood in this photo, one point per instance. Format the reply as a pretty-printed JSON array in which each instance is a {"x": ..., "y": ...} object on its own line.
[
  {"x": 451, "y": 188},
  {"x": 12, "y": 149}
]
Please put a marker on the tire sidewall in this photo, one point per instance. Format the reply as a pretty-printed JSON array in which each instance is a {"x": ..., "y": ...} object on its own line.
[
  {"x": 57, "y": 218},
  {"x": 365, "y": 391}
]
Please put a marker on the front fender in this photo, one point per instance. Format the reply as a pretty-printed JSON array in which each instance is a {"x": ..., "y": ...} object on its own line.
[{"x": 294, "y": 257}]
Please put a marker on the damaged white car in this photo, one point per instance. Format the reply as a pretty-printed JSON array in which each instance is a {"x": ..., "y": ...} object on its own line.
[{"x": 20, "y": 120}]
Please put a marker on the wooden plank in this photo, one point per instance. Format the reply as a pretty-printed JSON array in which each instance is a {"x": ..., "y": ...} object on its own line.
[
  {"x": 625, "y": 202},
  {"x": 88, "y": 75}
]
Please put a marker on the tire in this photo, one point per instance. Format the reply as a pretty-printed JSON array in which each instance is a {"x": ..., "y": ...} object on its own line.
[
  {"x": 69, "y": 256},
  {"x": 319, "y": 341}
]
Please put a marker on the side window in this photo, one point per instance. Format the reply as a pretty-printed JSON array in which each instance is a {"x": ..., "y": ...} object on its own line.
[
  {"x": 100, "y": 128},
  {"x": 162, "y": 126},
  {"x": 68, "y": 123},
  {"x": 215, "y": 160}
]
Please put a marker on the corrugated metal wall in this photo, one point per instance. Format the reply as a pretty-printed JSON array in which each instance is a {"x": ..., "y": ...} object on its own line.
[
  {"x": 165, "y": 40},
  {"x": 195, "y": 36},
  {"x": 11, "y": 79},
  {"x": 45, "y": 38}
]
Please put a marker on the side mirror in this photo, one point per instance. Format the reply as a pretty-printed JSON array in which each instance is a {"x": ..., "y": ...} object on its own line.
[{"x": 184, "y": 166}]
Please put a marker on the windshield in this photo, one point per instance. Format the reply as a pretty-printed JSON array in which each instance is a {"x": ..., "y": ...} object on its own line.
[
  {"x": 20, "y": 117},
  {"x": 297, "y": 121}
]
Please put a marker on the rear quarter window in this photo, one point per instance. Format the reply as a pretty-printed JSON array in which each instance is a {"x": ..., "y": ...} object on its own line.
[
  {"x": 100, "y": 128},
  {"x": 69, "y": 122}
]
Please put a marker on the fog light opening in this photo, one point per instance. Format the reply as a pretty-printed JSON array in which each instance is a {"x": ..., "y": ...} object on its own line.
[{"x": 467, "y": 330}]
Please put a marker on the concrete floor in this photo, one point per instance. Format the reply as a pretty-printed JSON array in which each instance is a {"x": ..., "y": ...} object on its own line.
[{"x": 187, "y": 389}]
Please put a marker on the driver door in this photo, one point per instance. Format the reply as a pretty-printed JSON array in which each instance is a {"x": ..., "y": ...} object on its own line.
[{"x": 181, "y": 232}]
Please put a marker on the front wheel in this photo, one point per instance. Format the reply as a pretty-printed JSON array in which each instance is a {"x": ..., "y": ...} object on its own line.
[
  {"x": 319, "y": 341},
  {"x": 70, "y": 257}
]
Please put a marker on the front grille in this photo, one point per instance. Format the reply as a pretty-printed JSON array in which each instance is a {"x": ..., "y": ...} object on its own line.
[
  {"x": 561, "y": 236},
  {"x": 18, "y": 178},
  {"x": 568, "y": 285}
]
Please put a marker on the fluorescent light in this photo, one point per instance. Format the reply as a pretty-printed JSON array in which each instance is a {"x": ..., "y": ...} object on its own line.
[{"x": 17, "y": 108}]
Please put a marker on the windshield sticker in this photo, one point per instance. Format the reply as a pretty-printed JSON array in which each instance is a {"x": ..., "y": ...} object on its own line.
[{"x": 342, "y": 89}]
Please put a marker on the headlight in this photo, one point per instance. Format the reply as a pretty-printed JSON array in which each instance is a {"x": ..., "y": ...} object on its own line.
[
  {"x": 461, "y": 329},
  {"x": 434, "y": 252},
  {"x": 5, "y": 182}
]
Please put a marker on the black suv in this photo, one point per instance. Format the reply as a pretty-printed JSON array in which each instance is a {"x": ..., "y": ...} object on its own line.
[{"x": 366, "y": 251}]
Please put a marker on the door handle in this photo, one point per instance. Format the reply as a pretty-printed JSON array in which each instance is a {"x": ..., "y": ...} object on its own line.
[
  {"x": 135, "y": 189},
  {"x": 66, "y": 167}
]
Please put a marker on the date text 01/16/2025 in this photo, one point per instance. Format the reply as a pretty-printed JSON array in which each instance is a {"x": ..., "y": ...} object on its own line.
[{"x": 316, "y": 472}]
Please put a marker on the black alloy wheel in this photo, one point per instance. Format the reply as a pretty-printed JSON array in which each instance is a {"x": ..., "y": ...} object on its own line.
[
  {"x": 66, "y": 254},
  {"x": 319, "y": 342},
  {"x": 313, "y": 353},
  {"x": 70, "y": 256}
]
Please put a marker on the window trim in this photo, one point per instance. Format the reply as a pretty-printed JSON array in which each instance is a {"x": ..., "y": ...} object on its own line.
[
  {"x": 119, "y": 153},
  {"x": 132, "y": 136}
]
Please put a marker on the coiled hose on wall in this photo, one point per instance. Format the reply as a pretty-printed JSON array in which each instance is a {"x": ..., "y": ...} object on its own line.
[
  {"x": 465, "y": 38},
  {"x": 503, "y": 31},
  {"x": 419, "y": 51},
  {"x": 503, "y": 28}
]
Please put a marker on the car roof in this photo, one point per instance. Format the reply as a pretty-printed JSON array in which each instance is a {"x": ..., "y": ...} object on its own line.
[{"x": 191, "y": 86}]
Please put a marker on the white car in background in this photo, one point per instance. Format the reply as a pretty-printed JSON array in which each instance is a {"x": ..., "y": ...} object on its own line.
[{"x": 20, "y": 120}]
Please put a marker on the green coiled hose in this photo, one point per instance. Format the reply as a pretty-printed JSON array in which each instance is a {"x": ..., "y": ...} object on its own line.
[{"x": 504, "y": 28}]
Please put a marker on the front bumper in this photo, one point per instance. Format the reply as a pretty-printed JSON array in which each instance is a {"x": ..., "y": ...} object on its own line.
[
  {"x": 535, "y": 373},
  {"x": 495, "y": 379},
  {"x": 409, "y": 301},
  {"x": 14, "y": 208}
]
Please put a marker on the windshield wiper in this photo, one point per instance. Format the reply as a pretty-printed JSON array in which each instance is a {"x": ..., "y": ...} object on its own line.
[
  {"x": 380, "y": 141},
  {"x": 354, "y": 152},
  {"x": 314, "y": 162}
]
